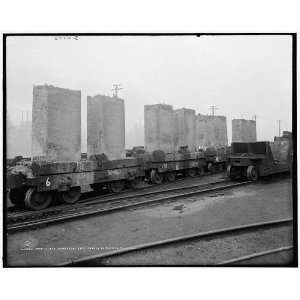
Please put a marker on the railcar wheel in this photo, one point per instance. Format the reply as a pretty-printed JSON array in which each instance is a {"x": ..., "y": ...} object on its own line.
[
  {"x": 156, "y": 177},
  {"x": 17, "y": 196},
  {"x": 170, "y": 176},
  {"x": 201, "y": 171},
  {"x": 252, "y": 173},
  {"x": 211, "y": 167},
  {"x": 230, "y": 172},
  {"x": 37, "y": 200},
  {"x": 116, "y": 186},
  {"x": 71, "y": 196},
  {"x": 191, "y": 172},
  {"x": 135, "y": 183}
]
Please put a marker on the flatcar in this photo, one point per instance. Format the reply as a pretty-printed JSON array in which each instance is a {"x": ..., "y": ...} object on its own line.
[
  {"x": 258, "y": 159},
  {"x": 216, "y": 158},
  {"x": 35, "y": 184}
]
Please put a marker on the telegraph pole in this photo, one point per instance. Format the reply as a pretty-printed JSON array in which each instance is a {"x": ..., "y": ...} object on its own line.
[
  {"x": 213, "y": 108},
  {"x": 116, "y": 88},
  {"x": 279, "y": 127}
]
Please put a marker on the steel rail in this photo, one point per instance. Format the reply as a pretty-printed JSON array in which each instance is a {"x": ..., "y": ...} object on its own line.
[
  {"x": 184, "y": 238},
  {"x": 97, "y": 210},
  {"x": 105, "y": 199},
  {"x": 255, "y": 255}
]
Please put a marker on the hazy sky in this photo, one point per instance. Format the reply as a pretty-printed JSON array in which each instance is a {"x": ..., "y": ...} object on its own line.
[{"x": 242, "y": 75}]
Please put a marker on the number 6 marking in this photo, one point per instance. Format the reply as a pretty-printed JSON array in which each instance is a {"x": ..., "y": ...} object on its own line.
[{"x": 48, "y": 183}]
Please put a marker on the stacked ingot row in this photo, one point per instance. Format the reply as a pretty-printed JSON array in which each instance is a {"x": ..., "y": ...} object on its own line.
[
  {"x": 185, "y": 128},
  {"x": 159, "y": 127},
  {"x": 56, "y": 125},
  {"x": 105, "y": 126},
  {"x": 168, "y": 130},
  {"x": 211, "y": 131},
  {"x": 243, "y": 130}
]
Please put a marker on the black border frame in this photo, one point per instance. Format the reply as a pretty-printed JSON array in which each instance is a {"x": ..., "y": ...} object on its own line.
[{"x": 294, "y": 263}]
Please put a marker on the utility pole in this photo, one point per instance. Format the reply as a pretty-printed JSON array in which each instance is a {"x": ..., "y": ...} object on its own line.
[
  {"x": 255, "y": 117},
  {"x": 116, "y": 88},
  {"x": 279, "y": 127},
  {"x": 213, "y": 108}
]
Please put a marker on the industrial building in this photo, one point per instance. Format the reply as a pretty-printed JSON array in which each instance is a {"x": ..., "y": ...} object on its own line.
[
  {"x": 243, "y": 130},
  {"x": 105, "y": 126},
  {"x": 18, "y": 139},
  {"x": 56, "y": 124}
]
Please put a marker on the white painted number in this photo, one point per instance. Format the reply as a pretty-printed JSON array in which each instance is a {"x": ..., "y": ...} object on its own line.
[{"x": 48, "y": 183}]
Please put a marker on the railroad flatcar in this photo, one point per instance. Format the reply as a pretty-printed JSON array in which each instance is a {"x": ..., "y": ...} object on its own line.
[
  {"x": 162, "y": 166},
  {"x": 216, "y": 158},
  {"x": 258, "y": 159},
  {"x": 34, "y": 184}
]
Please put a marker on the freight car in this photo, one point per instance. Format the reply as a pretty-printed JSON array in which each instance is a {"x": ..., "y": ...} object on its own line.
[
  {"x": 162, "y": 166},
  {"x": 253, "y": 160},
  {"x": 216, "y": 158},
  {"x": 34, "y": 184}
]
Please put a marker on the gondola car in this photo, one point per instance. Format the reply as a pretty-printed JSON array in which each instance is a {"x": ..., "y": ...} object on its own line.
[{"x": 257, "y": 159}]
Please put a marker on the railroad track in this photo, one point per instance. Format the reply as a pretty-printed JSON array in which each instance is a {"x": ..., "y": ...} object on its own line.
[
  {"x": 100, "y": 259},
  {"x": 90, "y": 196},
  {"x": 87, "y": 201},
  {"x": 30, "y": 220},
  {"x": 248, "y": 258}
]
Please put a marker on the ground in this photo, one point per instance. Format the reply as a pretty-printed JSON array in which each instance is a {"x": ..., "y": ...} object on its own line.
[{"x": 61, "y": 243}]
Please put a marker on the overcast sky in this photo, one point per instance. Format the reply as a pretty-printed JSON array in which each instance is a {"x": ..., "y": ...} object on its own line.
[{"x": 242, "y": 75}]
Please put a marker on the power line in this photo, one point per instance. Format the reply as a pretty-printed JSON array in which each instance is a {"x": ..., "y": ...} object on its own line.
[{"x": 116, "y": 88}]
